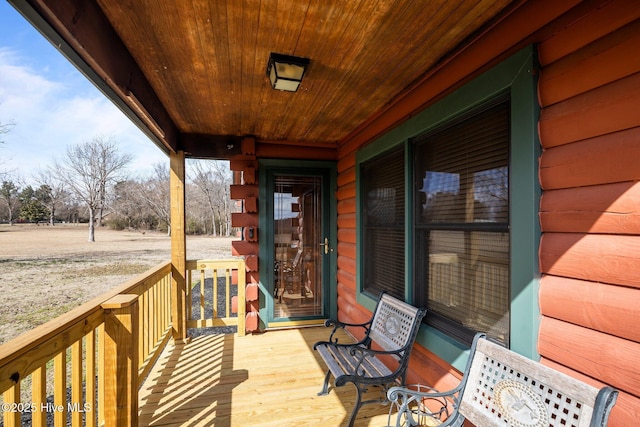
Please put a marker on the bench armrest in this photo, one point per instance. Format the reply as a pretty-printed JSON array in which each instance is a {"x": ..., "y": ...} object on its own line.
[
  {"x": 419, "y": 402},
  {"x": 337, "y": 325}
]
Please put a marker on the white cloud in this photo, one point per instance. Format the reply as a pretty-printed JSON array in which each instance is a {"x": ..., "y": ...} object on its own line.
[{"x": 48, "y": 117}]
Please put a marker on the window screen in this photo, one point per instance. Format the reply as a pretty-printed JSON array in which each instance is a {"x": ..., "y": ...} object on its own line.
[
  {"x": 383, "y": 201},
  {"x": 461, "y": 197}
]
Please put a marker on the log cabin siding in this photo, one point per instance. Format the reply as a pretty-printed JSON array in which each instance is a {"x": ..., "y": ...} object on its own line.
[
  {"x": 589, "y": 89},
  {"x": 596, "y": 209}
]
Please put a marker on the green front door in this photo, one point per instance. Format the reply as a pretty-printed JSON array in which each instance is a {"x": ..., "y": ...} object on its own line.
[{"x": 297, "y": 270}]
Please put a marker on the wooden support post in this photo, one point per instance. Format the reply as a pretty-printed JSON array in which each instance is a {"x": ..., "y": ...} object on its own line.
[
  {"x": 178, "y": 246},
  {"x": 121, "y": 361}
]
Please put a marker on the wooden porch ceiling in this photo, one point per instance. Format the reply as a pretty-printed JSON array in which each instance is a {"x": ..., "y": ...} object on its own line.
[{"x": 192, "y": 73}]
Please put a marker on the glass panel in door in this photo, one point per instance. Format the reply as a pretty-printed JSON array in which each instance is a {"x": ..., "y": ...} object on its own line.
[{"x": 299, "y": 246}]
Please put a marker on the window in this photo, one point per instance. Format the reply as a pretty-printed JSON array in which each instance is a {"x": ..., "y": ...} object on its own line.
[
  {"x": 384, "y": 223},
  {"x": 469, "y": 251},
  {"x": 461, "y": 205}
]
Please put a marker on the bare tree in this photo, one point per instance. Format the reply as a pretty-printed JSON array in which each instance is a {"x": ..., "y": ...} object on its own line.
[
  {"x": 223, "y": 178},
  {"x": 212, "y": 178},
  {"x": 127, "y": 206},
  {"x": 88, "y": 169},
  {"x": 155, "y": 193},
  {"x": 144, "y": 203}
]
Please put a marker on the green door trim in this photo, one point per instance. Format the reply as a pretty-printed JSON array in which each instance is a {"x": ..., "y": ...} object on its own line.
[{"x": 267, "y": 168}]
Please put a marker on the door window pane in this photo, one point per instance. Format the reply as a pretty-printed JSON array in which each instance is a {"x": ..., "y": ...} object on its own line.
[{"x": 298, "y": 258}]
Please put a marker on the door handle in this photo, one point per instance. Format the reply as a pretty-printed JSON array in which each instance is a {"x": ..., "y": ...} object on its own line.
[{"x": 326, "y": 245}]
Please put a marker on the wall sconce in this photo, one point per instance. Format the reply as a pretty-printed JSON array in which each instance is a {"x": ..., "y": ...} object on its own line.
[{"x": 285, "y": 72}]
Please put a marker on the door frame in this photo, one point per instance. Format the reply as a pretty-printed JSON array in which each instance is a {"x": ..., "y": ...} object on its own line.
[{"x": 268, "y": 168}]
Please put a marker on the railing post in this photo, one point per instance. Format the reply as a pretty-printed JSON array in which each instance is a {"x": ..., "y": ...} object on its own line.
[
  {"x": 178, "y": 245},
  {"x": 121, "y": 361}
]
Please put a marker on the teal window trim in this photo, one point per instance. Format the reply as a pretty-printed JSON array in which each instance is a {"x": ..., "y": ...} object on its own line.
[{"x": 517, "y": 77}]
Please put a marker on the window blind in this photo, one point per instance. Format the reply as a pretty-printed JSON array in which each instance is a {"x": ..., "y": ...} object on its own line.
[
  {"x": 383, "y": 193},
  {"x": 461, "y": 198}
]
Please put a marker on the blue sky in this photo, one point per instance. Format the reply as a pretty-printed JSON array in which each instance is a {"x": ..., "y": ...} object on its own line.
[{"x": 53, "y": 105}]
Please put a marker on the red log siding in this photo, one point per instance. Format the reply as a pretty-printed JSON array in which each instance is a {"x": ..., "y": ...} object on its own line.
[
  {"x": 567, "y": 78},
  {"x": 601, "y": 307},
  {"x": 602, "y": 258},
  {"x": 607, "y": 109},
  {"x": 247, "y": 190},
  {"x": 604, "y": 19},
  {"x": 606, "y": 358},
  {"x": 604, "y": 159},
  {"x": 603, "y": 209},
  {"x": 589, "y": 89}
]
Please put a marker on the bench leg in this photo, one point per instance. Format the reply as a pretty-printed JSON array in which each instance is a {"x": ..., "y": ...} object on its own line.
[
  {"x": 356, "y": 408},
  {"x": 325, "y": 386}
]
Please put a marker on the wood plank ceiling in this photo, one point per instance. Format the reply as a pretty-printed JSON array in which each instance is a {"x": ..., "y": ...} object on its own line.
[{"x": 206, "y": 59}]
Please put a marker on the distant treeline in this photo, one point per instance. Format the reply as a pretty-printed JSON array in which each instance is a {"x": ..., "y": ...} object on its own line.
[{"x": 91, "y": 185}]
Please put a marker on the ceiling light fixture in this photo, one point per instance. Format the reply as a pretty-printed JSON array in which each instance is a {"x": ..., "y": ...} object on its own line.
[{"x": 285, "y": 72}]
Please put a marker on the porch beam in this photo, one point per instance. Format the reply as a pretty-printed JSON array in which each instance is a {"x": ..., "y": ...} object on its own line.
[
  {"x": 82, "y": 33},
  {"x": 202, "y": 146},
  {"x": 178, "y": 245}
]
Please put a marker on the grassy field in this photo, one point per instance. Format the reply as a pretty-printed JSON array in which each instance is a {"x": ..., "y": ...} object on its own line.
[{"x": 46, "y": 270}]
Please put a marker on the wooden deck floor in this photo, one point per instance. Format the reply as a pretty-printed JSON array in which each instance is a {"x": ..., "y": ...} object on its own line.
[{"x": 270, "y": 379}]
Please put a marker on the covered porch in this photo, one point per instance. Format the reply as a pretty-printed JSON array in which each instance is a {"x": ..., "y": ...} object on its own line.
[{"x": 384, "y": 78}]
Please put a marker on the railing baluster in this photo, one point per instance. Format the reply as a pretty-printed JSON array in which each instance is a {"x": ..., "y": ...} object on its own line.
[
  {"x": 39, "y": 397},
  {"x": 242, "y": 308},
  {"x": 90, "y": 378},
  {"x": 101, "y": 382},
  {"x": 202, "y": 282},
  {"x": 216, "y": 315},
  {"x": 76, "y": 384},
  {"x": 143, "y": 337},
  {"x": 60, "y": 388},
  {"x": 188, "y": 294},
  {"x": 11, "y": 418},
  {"x": 227, "y": 302},
  {"x": 151, "y": 320}
]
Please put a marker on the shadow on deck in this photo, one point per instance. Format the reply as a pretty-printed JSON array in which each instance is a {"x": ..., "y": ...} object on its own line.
[{"x": 270, "y": 379}]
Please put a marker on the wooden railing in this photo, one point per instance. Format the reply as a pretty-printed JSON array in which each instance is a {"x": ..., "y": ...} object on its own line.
[
  {"x": 216, "y": 289},
  {"x": 93, "y": 359}
]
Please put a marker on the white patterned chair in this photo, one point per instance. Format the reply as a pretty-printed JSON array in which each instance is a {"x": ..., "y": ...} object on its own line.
[{"x": 503, "y": 388}]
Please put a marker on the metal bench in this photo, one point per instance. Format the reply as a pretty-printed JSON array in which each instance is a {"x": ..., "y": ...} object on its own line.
[
  {"x": 391, "y": 332},
  {"x": 502, "y": 388}
]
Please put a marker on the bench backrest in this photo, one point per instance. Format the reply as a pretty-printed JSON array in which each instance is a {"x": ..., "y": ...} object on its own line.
[
  {"x": 505, "y": 388},
  {"x": 395, "y": 323}
]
